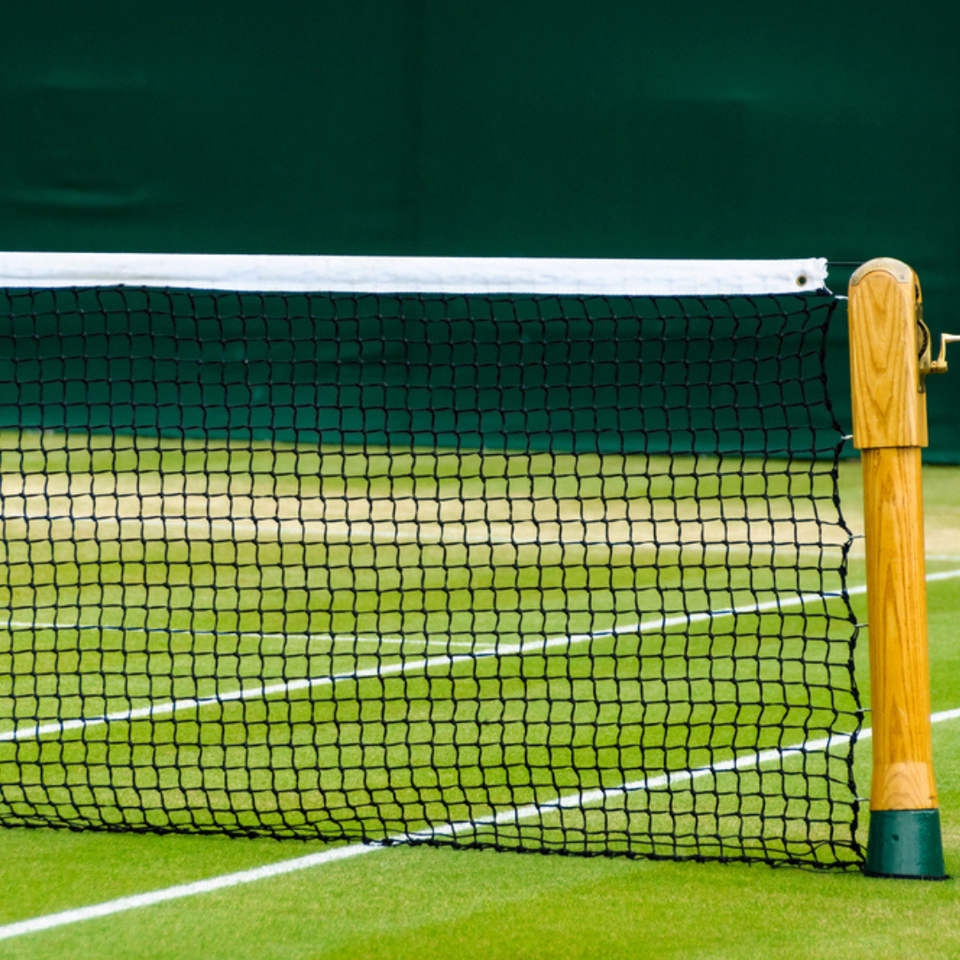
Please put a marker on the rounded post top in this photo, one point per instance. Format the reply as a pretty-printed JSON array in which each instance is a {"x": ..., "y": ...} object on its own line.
[
  {"x": 896, "y": 268},
  {"x": 886, "y": 337}
]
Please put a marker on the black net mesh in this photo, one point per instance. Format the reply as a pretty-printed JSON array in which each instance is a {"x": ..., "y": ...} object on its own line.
[{"x": 525, "y": 572}]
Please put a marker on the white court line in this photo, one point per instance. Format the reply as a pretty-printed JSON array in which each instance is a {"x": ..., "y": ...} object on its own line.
[
  {"x": 944, "y": 575},
  {"x": 267, "y": 690},
  {"x": 181, "y": 891},
  {"x": 425, "y": 663},
  {"x": 231, "y": 634},
  {"x": 527, "y": 812}
]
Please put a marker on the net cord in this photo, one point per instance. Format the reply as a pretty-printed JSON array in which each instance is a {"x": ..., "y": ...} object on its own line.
[{"x": 440, "y": 275}]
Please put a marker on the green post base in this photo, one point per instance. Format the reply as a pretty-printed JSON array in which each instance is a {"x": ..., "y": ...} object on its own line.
[{"x": 905, "y": 843}]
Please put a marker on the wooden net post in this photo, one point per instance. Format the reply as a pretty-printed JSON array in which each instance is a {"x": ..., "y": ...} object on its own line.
[{"x": 887, "y": 346}]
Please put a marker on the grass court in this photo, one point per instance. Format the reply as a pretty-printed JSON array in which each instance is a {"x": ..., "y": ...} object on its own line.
[{"x": 348, "y": 646}]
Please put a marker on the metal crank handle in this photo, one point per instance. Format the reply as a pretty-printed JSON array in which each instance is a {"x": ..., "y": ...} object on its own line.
[{"x": 940, "y": 364}]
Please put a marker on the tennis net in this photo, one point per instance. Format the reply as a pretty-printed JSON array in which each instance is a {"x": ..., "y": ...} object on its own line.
[{"x": 540, "y": 555}]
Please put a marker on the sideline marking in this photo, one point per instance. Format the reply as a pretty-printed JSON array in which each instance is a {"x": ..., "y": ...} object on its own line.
[{"x": 180, "y": 891}]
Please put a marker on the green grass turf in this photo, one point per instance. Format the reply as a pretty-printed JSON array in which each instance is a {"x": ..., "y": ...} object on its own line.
[
  {"x": 427, "y": 903},
  {"x": 113, "y": 593}
]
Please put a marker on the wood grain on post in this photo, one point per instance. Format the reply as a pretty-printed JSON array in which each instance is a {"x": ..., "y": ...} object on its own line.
[{"x": 890, "y": 427}]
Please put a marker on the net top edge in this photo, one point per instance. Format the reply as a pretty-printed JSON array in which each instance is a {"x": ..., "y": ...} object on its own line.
[{"x": 405, "y": 275}]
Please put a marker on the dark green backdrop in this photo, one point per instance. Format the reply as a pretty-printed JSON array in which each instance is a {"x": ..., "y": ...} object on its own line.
[{"x": 689, "y": 129}]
